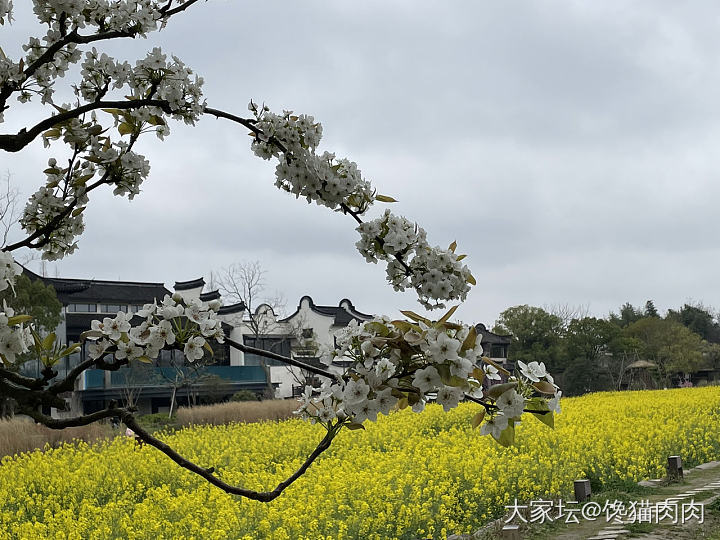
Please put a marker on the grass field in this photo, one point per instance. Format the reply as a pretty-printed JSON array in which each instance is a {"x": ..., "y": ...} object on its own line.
[{"x": 407, "y": 476}]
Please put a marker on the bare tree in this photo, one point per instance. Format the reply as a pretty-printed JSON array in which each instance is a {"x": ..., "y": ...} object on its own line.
[
  {"x": 9, "y": 212},
  {"x": 566, "y": 312},
  {"x": 245, "y": 282}
]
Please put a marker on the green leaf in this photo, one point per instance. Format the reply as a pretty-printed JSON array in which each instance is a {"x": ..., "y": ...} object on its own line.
[
  {"x": 453, "y": 246},
  {"x": 67, "y": 351},
  {"x": 354, "y": 426},
  {"x": 156, "y": 121},
  {"x": 145, "y": 359},
  {"x": 478, "y": 418},
  {"x": 415, "y": 317},
  {"x": 544, "y": 387},
  {"x": 495, "y": 365},
  {"x": 449, "y": 314},
  {"x": 78, "y": 211},
  {"x": 403, "y": 326},
  {"x": 507, "y": 437},
  {"x": 19, "y": 319},
  {"x": 544, "y": 413},
  {"x": 469, "y": 342},
  {"x": 52, "y": 133},
  {"x": 402, "y": 403},
  {"x": 384, "y": 198},
  {"x": 49, "y": 341},
  {"x": 471, "y": 280},
  {"x": 208, "y": 348},
  {"x": 496, "y": 390},
  {"x": 479, "y": 374},
  {"x": 444, "y": 371},
  {"x": 125, "y": 129},
  {"x": 460, "y": 257}
]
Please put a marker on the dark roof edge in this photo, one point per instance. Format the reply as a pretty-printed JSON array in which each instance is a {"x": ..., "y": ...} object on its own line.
[
  {"x": 211, "y": 295},
  {"x": 234, "y": 308},
  {"x": 327, "y": 311},
  {"x": 353, "y": 310},
  {"x": 187, "y": 285},
  {"x": 33, "y": 275}
]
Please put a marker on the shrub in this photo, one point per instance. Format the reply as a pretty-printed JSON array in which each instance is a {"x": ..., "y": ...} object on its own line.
[{"x": 244, "y": 395}]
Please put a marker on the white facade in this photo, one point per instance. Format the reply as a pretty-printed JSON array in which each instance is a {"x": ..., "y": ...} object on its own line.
[{"x": 305, "y": 331}]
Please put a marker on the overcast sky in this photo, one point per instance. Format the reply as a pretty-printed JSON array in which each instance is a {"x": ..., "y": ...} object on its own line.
[{"x": 569, "y": 147}]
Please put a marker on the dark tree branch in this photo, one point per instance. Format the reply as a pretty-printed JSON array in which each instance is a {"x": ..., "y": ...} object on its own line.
[
  {"x": 68, "y": 383},
  {"x": 166, "y": 12},
  {"x": 28, "y": 382},
  {"x": 281, "y": 358},
  {"x": 15, "y": 143},
  {"x": 208, "y": 474},
  {"x": 28, "y": 397},
  {"x": 52, "y": 224},
  {"x": 250, "y": 124},
  {"x": 74, "y": 37},
  {"x": 62, "y": 423}
]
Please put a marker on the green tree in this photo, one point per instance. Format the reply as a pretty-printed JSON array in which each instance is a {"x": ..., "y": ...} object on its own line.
[
  {"x": 650, "y": 310},
  {"x": 672, "y": 346},
  {"x": 586, "y": 342},
  {"x": 535, "y": 333},
  {"x": 34, "y": 298},
  {"x": 698, "y": 319},
  {"x": 628, "y": 315},
  {"x": 589, "y": 337}
]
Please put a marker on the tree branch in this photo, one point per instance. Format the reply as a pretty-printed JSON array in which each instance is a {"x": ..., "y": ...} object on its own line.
[
  {"x": 208, "y": 474},
  {"x": 281, "y": 358},
  {"x": 28, "y": 382},
  {"x": 15, "y": 143},
  {"x": 62, "y": 423}
]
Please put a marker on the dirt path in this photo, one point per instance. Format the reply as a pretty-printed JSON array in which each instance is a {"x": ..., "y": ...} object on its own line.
[{"x": 700, "y": 487}]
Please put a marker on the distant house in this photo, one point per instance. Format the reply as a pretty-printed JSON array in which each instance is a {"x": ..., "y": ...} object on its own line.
[
  {"x": 495, "y": 346},
  {"x": 83, "y": 301},
  {"x": 300, "y": 335}
]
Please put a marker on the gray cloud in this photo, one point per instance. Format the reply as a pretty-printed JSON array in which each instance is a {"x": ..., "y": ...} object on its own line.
[{"x": 569, "y": 148}]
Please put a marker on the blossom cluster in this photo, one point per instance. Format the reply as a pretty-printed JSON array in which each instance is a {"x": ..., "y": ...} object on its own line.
[
  {"x": 322, "y": 179},
  {"x": 436, "y": 274},
  {"x": 173, "y": 323},
  {"x": 138, "y": 16},
  {"x": 399, "y": 364}
]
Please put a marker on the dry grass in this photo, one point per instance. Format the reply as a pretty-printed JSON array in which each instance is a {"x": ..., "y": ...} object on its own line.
[
  {"x": 20, "y": 435},
  {"x": 240, "y": 411}
]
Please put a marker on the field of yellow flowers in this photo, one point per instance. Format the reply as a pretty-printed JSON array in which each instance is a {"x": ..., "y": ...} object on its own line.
[{"x": 407, "y": 476}]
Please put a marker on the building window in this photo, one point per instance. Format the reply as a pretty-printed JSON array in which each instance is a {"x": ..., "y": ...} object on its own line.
[
  {"x": 498, "y": 351},
  {"x": 112, "y": 308},
  {"x": 82, "y": 308},
  {"x": 277, "y": 344}
]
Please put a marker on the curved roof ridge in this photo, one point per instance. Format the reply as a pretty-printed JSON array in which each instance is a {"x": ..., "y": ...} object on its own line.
[{"x": 187, "y": 285}]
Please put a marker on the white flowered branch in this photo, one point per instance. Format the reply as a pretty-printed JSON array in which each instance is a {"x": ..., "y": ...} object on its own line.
[{"x": 391, "y": 364}]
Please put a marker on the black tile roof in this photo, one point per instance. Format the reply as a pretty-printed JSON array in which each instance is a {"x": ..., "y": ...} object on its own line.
[
  {"x": 79, "y": 291},
  {"x": 342, "y": 313},
  {"x": 212, "y": 295},
  {"x": 234, "y": 308},
  {"x": 491, "y": 338},
  {"x": 187, "y": 285}
]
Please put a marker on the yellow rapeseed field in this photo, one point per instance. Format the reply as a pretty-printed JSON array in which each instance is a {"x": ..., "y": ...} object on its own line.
[{"x": 407, "y": 476}]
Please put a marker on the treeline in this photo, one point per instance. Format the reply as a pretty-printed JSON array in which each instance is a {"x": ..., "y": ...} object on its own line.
[{"x": 633, "y": 349}]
